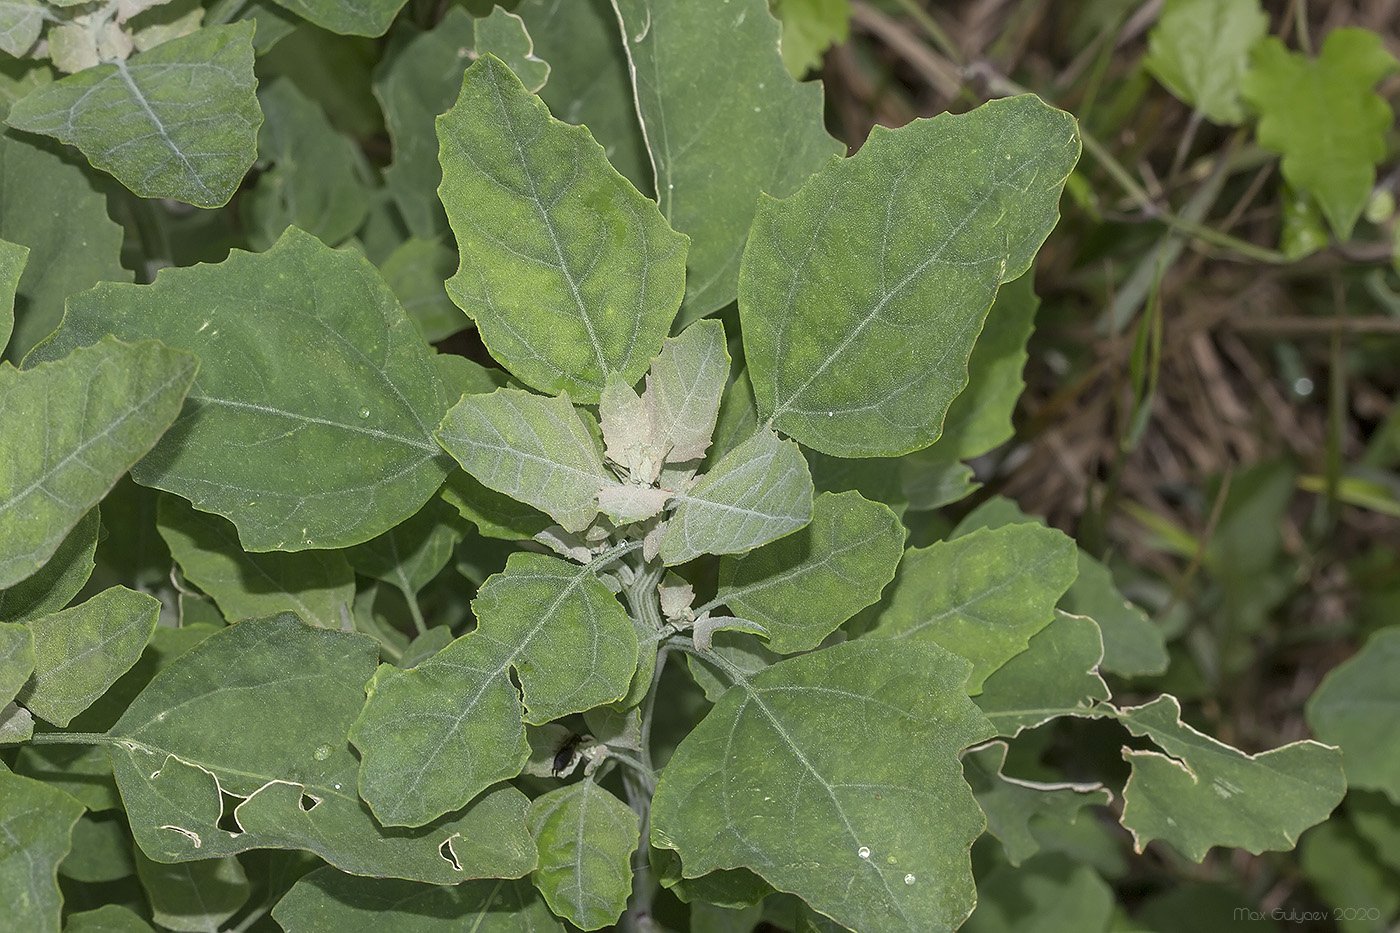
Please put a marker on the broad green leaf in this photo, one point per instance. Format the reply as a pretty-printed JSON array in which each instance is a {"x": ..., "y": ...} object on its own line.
[
  {"x": 317, "y": 585},
  {"x": 800, "y": 588},
  {"x": 857, "y": 333},
  {"x": 13, "y": 256},
  {"x": 102, "y": 851},
  {"x": 48, "y": 204},
  {"x": 21, "y": 22},
  {"x": 748, "y": 116},
  {"x": 534, "y": 449},
  {"x": 110, "y": 918},
  {"x": 312, "y": 178},
  {"x": 347, "y": 17},
  {"x": 72, "y": 428},
  {"x": 420, "y": 83},
  {"x": 495, "y": 515},
  {"x": 411, "y": 554},
  {"x": 179, "y": 121},
  {"x": 305, "y": 358},
  {"x": 734, "y": 888},
  {"x": 685, "y": 386},
  {"x": 1021, "y": 812},
  {"x": 336, "y": 71},
  {"x": 981, "y": 596},
  {"x": 1323, "y": 117},
  {"x": 36, "y": 832},
  {"x": 416, "y": 271},
  {"x": 759, "y": 492},
  {"x": 589, "y": 82},
  {"x": 577, "y": 275},
  {"x": 1357, "y": 708},
  {"x": 432, "y": 738},
  {"x": 1200, "y": 50},
  {"x": 1197, "y": 792},
  {"x": 260, "y": 712},
  {"x": 1051, "y": 894},
  {"x": 193, "y": 896},
  {"x": 1378, "y": 820},
  {"x": 1343, "y": 869},
  {"x": 768, "y": 781},
  {"x": 16, "y": 724},
  {"x": 1057, "y": 675},
  {"x": 59, "y": 580},
  {"x": 735, "y": 652},
  {"x": 328, "y": 901},
  {"x": 80, "y": 652},
  {"x": 810, "y": 27},
  {"x": 586, "y": 838},
  {"x": 16, "y": 659}
]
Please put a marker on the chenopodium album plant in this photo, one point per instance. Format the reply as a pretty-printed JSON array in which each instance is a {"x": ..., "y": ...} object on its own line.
[{"x": 658, "y": 492}]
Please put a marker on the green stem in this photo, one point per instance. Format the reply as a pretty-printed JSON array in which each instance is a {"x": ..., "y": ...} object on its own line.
[
  {"x": 415, "y": 610},
  {"x": 71, "y": 738},
  {"x": 224, "y": 12}
]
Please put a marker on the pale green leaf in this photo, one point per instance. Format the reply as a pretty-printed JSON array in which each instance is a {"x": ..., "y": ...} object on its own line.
[
  {"x": 747, "y": 115},
  {"x": 193, "y": 896},
  {"x": 434, "y": 737},
  {"x": 13, "y": 256},
  {"x": 1357, "y": 707},
  {"x": 36, "y": 832},
  {"x": 111, "y": 918},
  {"x": 411, "y": 554},
  {"x": 686, "y": 384},
  {"x": 21, "y": 22},
  {"x": 260, "y": 712},
  {"x": 589, "y": 82},
  {"x": 72, "y": 428},
  {"x": 313, "y": 178},
  {"x": 48, "y": 204},
  {"x": 534, "y": 449},
  {"x": 1323, "y": 117},
  {"x": 327, "y": 901},
  {"x": 80, "y": 652},
  {"x": 802, "y": 587},
  {"x": 835, "y": 776},
  {"x": 857, "y": 333},
  {"x": 59, "y": 580},
  {"x": 810, "y": 27},
  {"x": 305, "y": 358},
  {"x": 981, "y": 596},
  {"x": 1198, "y": 792},
  {"x": 586, "y": 838},
  {"x": 1057, "y": 675},
  {"x": 416, "y": 271},
  {"x": 1050, "y": 894},
  {"x": 16, "y": 659},
  {"x": 577, "y": 275},
  {"x": 1200, "y": 50},
  {"x": 16, "y": 724},
  {"x": 179, "y": 121},
  {"x": 421, "y": 81},
  {"x": 759, "y": 492},
  {"x": 1021, "y": 812},
  {"x": 317, "y": 585},
  {"x": 347, "y": 17}
]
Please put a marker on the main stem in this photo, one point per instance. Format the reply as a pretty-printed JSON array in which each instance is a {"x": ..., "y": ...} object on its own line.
[{"x": 640, "y": 783}]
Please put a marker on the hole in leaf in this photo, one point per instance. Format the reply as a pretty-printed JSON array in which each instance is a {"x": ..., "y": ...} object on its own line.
[
  {"x": 227, "y": 821},
  {"x": 308, "y": 802},
  {"x": 445, "y": 850}
]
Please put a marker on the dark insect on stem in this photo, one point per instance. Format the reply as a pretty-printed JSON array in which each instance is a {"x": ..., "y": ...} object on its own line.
[{"x": 565, "y": 755}]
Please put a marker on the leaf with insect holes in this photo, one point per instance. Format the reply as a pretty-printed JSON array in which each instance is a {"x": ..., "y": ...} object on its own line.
[
  {"x": 306, "y": 358},
  {"x": 1057, "y": 675},
  {"x": 72, "y": 428},
  {"x": 1200, "y": 50},
  {"x": 759, "y": 492},
  {"x": 1198, "y": 792},
  {"x": 862, "y": 294},
  {"x": 432, "y": 738},
  {"x": 1357, "y": 708},
  {"x": 179, "y": 121},
  {"x": 877, "y": 840},
  {"x": 586, "y": 838},
  {"x": 293, "y": 692},
  {"x": 36, "y": 833},
  {"x": 576, "y": 275}
]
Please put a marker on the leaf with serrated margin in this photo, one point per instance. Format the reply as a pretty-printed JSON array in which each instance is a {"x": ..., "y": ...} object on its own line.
[
  {"x": 13, "y": 256},
  {"x": 317, "y": 585},
  {"x": 16, "y": 659},
  {"x": 193, "y": 896},
  {"x": 1057, "y": 675},
  {"x": 860, "y": 352},
  {"x": 835, "y": 776},
  {"x": 576, "y": 275},
  {"x": 421, "y": 81},
  {"x": 71, "y": 429},
  {"x": 535, "y": 449},
  {"x": 1198, "y": 792},
  {"x": 36, "y": 832},
  {"x": 802, "y": 587},
  {"x": 586, "y": 838},
  {"x": 260, "y": 711},
  {"x": 1200, "y": 50},
  {"x": 1357, "y": 707},
  {"x": 305, "y": 358},
  {"x": 347, "y": 17},
  {"x": 434, "y": 737},
  {"x": 59, "y": 580},
  {"x": 328, "y": 901},
  {"x": 179, "y": 121},
  {"x": 981, "y": 596},
  {"x": 749, "y": 116},
  {"x": 80, "y": 652},
  {"x": 757, "y": 493}
]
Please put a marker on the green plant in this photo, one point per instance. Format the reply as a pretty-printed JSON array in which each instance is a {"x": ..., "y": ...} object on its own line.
[{"x": 628, "y": 630}]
